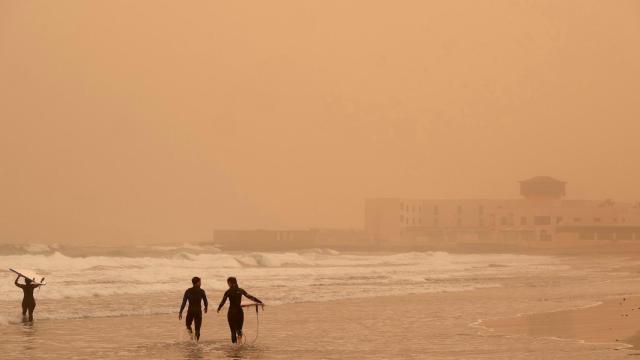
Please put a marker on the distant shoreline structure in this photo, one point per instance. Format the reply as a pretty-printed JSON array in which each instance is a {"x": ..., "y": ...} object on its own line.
[
  {"x": 541, "y": 219},
  {"x": 278, "y": 240}
]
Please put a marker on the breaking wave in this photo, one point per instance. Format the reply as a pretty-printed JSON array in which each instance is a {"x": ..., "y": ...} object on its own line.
[{"x": 159, "y": 277}]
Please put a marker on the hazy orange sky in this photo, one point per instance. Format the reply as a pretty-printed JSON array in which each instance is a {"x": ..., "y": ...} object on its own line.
[{"x": 159, "y": 121}]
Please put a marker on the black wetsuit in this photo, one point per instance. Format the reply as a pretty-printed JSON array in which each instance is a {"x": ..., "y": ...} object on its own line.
[
  {"x": 235, "y": 316},
  {"x": 28, "y": 301},
  {"x": 194, "y": 295}
]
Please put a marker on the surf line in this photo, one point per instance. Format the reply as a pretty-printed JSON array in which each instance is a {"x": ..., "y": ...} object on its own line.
[{"x": 257, "y": 306}]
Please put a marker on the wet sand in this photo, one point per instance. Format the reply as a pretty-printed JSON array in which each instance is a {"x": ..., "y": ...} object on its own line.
[
  {"x": 433, "y": 326},
  {"x": 615, "y": 320},
  {"x": 442, "y": 325}
]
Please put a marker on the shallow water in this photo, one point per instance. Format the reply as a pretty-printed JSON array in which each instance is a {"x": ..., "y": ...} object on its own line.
[{"x": 326, "y": 305}]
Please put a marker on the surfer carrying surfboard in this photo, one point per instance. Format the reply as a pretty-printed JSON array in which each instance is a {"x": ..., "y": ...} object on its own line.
[
  {"x": 235, "y": 315},
  {"x": 28, "y": 301},
  {"x": 195, "y": 295}
]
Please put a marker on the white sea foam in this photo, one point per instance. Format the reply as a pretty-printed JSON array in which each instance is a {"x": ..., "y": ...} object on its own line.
[
  {"x": 316, "y": 275},
  {"x": 40, "y": 248}
]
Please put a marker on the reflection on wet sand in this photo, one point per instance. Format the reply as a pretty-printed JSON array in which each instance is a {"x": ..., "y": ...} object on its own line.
[
  {"x": 29, "y": 332},
  {"x": 208, "y": 350},
  {"x": 192, "y": 351},
  {"x": 235, "y": 352}
]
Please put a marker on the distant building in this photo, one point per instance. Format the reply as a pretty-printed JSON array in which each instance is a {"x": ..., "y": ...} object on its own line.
[
  {"x": 542, "y": 188},
  {"x": 275, "y": 240},
  {"x": 542, "y": 214}
]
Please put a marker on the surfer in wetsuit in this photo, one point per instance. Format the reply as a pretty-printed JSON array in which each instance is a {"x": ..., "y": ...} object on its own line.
[
  {"x": 195, "y": 295},
  {"x": 28, "y": 301},
  {"x": 235, "y": 315}
]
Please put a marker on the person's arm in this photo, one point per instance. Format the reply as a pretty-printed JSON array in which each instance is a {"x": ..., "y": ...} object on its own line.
[
  {"x": 16, "y": 282},
  {"x": 224, "y": 300},
  {"x": 251, "y": 297},
  {"x": 206, "y": 302},
  {"x": 184, "y": 303}
]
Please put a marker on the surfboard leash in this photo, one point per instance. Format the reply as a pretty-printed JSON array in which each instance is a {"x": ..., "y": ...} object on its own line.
[{"x": 257, "y": 324}]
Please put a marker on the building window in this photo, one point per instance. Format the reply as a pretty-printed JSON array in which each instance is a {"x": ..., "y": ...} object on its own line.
[
  {"x": 542, "y": 220},
  {"x": 624, "y": 235},
  {"x": 577, "y": 220},
  {"x": 596, "y": 220},
  {"x": 523, "y": 220},
  {"x": 558, "y": 219},
  {"x": 401, "y": 219},
  {"x": 585, "y": 235}
]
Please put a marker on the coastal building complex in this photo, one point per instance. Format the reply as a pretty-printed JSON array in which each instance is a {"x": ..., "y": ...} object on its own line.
[{"x": 541, "y": 214}]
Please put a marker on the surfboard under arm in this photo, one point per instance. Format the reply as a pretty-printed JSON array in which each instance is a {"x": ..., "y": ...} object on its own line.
[{"x": 253, "y": 304}]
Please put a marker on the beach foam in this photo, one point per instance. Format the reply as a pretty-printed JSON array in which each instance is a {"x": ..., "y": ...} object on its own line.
[{"x": 312, "y": 275}]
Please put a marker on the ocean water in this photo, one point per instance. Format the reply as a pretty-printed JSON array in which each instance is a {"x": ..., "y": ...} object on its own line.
[
  {"x": 124, "y": 304},
  {"x": 277, "y": 278}
]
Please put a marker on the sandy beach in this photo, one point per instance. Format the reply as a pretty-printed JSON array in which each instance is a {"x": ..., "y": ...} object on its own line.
[
  {"x": 404, "y": 306},
  {"x": 615, "y": 320},
  {"x": 433, "y": 326}
]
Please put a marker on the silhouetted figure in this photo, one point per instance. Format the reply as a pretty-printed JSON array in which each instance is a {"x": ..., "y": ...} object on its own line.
[
  {"x": 235, "y": 315},
  {"x": 195, "y": 295},
  {"x": 28, "y": 301}
]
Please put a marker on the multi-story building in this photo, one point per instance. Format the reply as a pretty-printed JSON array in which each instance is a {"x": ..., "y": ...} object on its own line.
[{"x": 542, "y": 214}]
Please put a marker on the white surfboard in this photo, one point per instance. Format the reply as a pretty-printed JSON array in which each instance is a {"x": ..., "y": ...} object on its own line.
[{"x": 29, "y": 275}]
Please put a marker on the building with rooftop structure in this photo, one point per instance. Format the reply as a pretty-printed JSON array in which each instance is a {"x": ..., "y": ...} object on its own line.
[{"x": 542, "y": 214}]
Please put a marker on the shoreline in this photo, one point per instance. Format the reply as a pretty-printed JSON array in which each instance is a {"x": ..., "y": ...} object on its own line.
[
  {"x": 365, "y": 324},
  {"x": 558, "y": 248},
  {"x": 438, "y": 325},
  {"x": 613, "y": 320}
]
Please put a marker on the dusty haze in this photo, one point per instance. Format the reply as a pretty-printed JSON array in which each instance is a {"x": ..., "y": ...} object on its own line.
[{"x": 157, "y": 121}]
